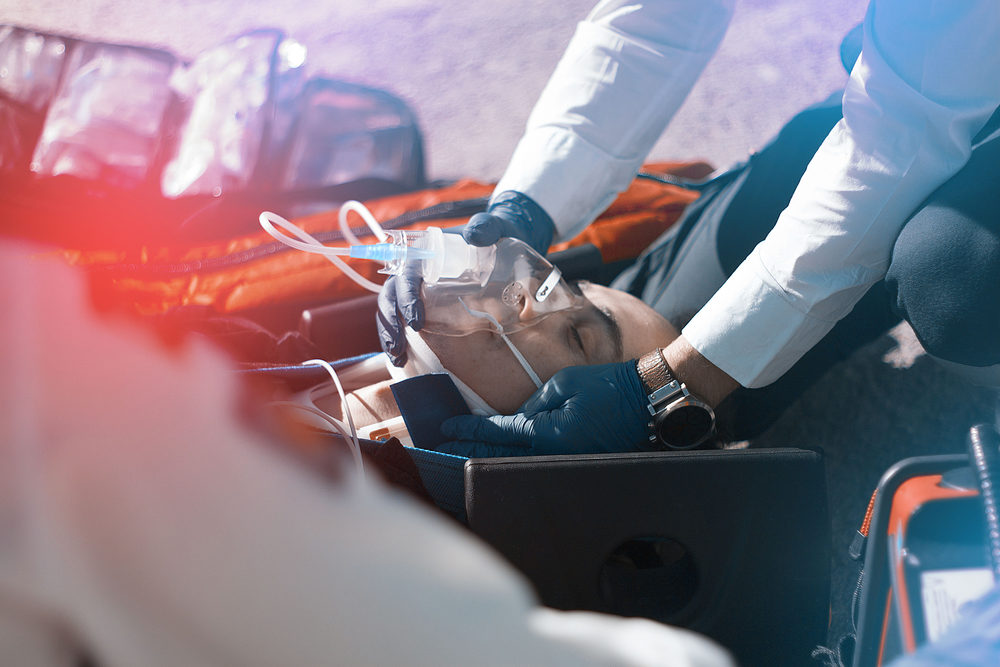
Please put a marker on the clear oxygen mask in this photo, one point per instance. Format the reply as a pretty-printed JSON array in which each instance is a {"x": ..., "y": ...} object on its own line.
[{"x": 508, "y": 287}]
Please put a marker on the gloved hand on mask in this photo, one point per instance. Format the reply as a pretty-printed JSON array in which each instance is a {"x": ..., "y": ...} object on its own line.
[
  {"x": 399, "y": 302},
  {"x": 509, "y": 214},
  {"x": 581, "y": 409}
]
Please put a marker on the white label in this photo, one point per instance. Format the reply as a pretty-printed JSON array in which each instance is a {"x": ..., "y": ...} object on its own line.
[
  {"x": 943, "y": 593},
  {"x": 546, "y": 287}
]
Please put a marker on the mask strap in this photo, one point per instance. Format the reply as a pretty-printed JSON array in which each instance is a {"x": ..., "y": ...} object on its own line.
[{"x": 517, "y": 353}]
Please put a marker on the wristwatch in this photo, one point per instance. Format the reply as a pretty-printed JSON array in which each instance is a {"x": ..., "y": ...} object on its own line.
[{"x": 680, "y": 420}]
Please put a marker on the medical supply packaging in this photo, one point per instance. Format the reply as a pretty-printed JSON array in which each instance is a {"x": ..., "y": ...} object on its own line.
[{"x": 106, "y": 145}]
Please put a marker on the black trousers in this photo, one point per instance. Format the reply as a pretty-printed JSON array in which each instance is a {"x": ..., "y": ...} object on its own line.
[{"x": 944, "y": 278}]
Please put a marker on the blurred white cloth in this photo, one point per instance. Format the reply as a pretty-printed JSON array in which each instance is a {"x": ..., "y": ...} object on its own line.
[
  {"x": 142, "y": 524},
  {"x": 927, "y": 81}
]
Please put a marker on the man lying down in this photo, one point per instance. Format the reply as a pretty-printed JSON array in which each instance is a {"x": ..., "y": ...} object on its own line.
[{"x": 500, "y": 337}]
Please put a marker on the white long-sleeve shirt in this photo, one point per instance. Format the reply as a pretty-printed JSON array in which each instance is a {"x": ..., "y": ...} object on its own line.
[
  {"x": 142, "y": 523},
  {"x": 927, "y": 80}
]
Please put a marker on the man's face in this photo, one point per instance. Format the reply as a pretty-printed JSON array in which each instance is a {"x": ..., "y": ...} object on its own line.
[{"x": 610, "y": 326}]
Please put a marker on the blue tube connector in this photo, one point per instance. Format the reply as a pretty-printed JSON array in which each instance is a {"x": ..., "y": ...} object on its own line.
[
  {"x": 390, "y": 252},
  {"x": 431, "y": 252}
]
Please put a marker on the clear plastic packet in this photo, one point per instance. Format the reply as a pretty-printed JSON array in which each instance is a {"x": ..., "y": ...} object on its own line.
[
  {"x": 104, "y": 122},
  {"x": 347, "y": 132},
  {"x": 30, "y": 64},
  {"x": 228, "y": 91},
  {"x": 239, "y": 119}
]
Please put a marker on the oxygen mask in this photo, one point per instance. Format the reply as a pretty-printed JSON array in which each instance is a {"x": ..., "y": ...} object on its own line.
[{"x": 510, "y": 287}]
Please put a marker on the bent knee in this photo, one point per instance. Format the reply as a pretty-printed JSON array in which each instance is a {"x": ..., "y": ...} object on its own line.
[{"x": 945, "y": 280}]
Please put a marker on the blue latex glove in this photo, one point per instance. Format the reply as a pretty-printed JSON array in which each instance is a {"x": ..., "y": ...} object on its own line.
[
  {"x": 582, "y": 409},
  {"x": 400, "y": 292},
  {"x": 511, "y": 214}
]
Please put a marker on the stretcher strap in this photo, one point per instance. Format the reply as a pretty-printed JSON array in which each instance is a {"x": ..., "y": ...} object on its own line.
[{"x": 443, "y": 476}]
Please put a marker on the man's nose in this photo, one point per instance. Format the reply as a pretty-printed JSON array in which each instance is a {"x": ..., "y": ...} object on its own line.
[{"x": 527, "y": 306}]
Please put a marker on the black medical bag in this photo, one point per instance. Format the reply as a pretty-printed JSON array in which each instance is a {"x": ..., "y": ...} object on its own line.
[{"x": 732, "y": 544}]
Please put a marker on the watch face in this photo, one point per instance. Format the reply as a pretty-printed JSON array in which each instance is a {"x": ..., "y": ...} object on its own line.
[{"x": 685, "y": 426}]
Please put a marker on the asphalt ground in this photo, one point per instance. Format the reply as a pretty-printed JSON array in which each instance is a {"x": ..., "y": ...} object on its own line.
[{"x": 472, "y": 70}]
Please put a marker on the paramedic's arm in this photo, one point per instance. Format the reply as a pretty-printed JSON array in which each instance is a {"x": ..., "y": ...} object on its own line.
[
  {"x": 143, "y": 524},
  {"x": 625, "y": 73},
  {"x": 927, "y": 80}
]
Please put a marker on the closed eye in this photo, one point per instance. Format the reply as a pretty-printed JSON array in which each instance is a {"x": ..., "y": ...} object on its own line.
[{"x": 577, "y": 339}]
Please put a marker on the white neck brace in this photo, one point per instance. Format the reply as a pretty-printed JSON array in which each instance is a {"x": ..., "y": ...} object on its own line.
[{"x": 421, "y": 360}]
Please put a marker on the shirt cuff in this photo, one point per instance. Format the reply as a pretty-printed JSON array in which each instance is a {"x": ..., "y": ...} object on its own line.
[{"x": 751, "y": 329}]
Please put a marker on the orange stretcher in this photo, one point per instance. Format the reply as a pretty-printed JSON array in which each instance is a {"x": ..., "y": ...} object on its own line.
[{"x": 251, "y": 271}]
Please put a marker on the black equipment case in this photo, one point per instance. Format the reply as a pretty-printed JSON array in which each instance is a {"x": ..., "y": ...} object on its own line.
[{"x": 733, "y": 544}]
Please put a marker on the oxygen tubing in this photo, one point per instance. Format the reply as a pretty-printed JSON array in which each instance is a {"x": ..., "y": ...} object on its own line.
[
  {"x": 388, "y": 250},
  {"x": 307, "y": 243}
]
